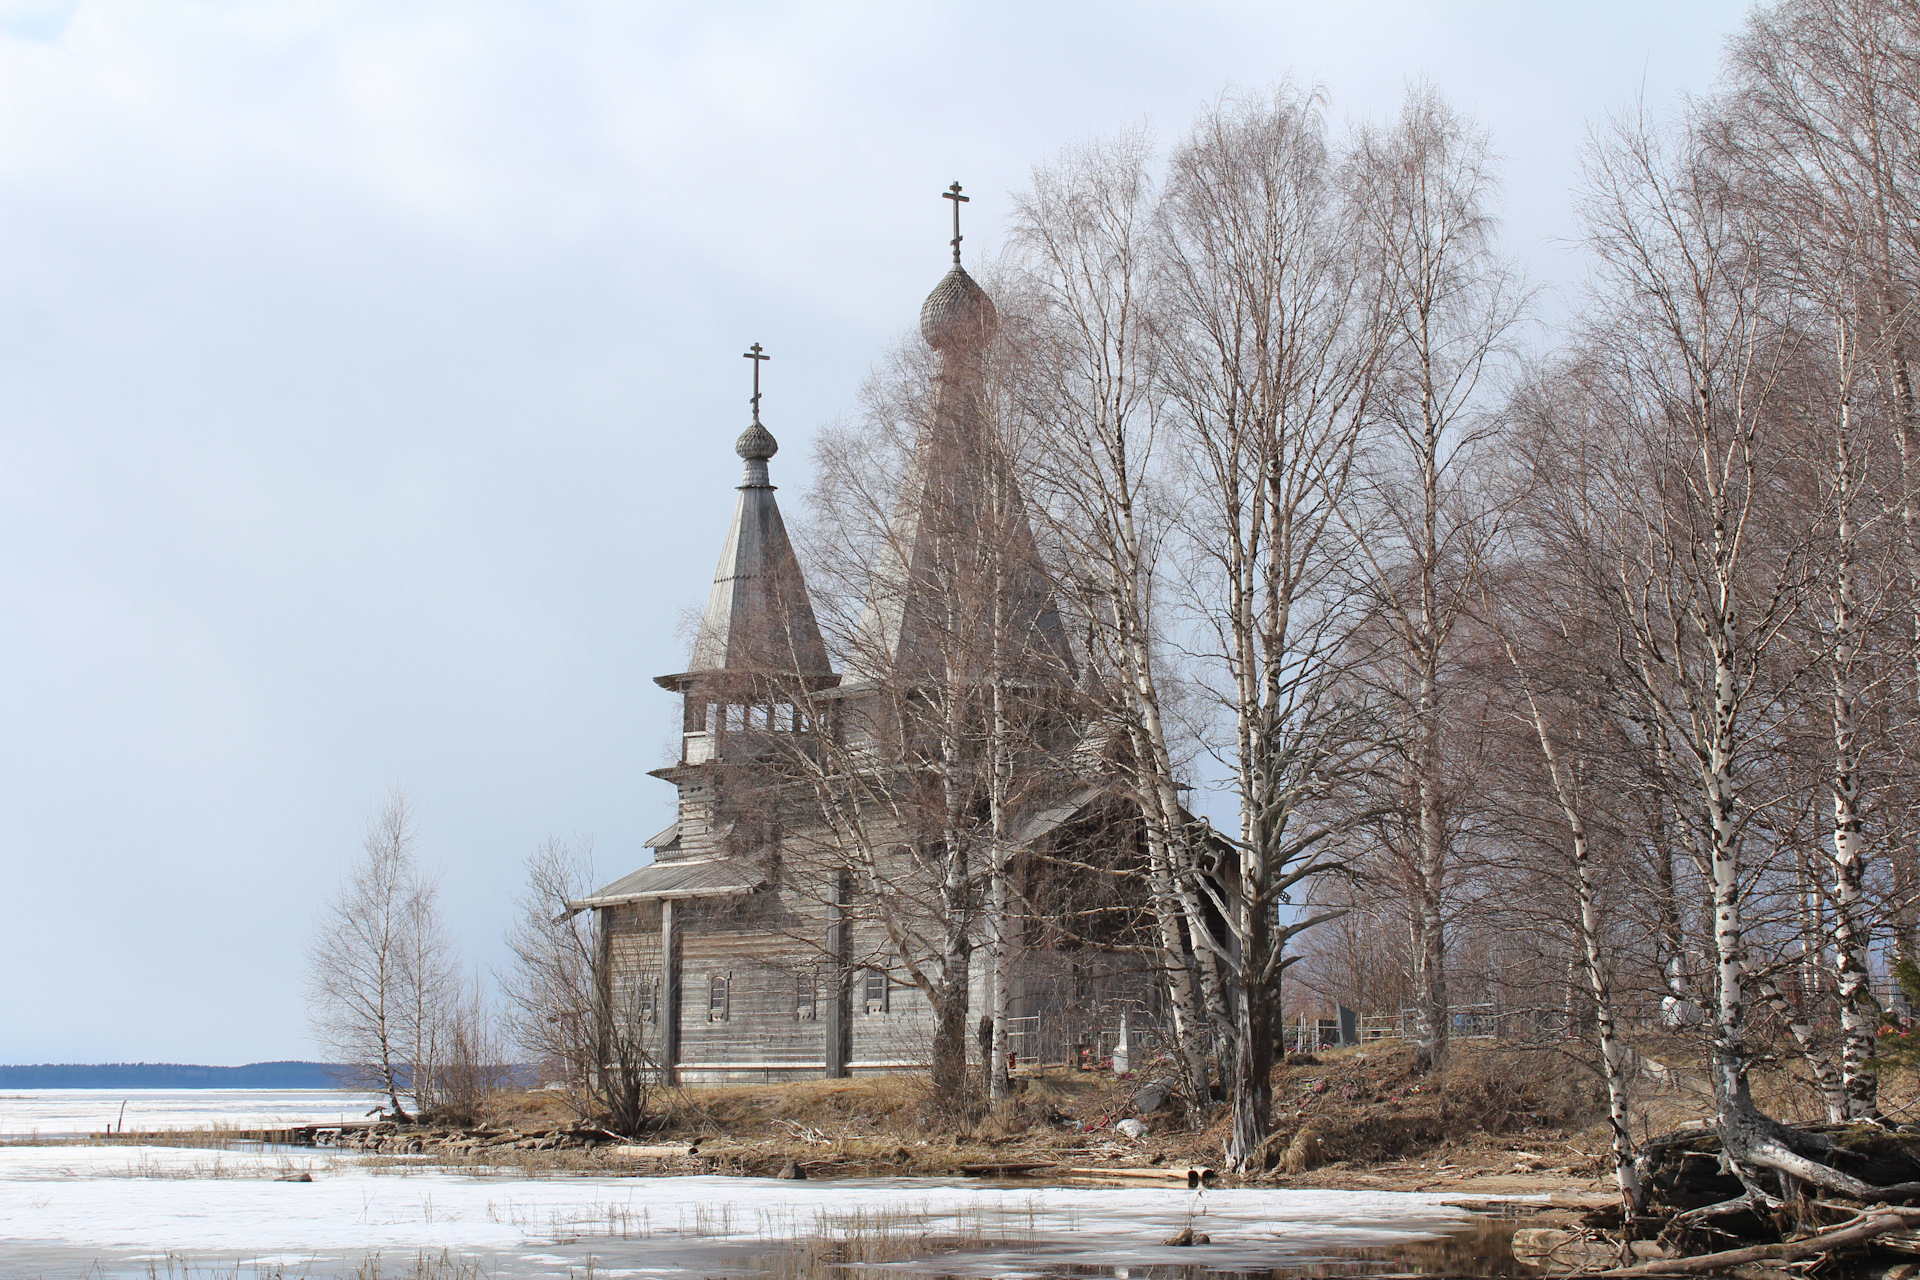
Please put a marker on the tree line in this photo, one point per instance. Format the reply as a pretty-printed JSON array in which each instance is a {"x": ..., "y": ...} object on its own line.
[
  {"x": 1577, "y": 665},
  {"x": 1573, "y": 665}
]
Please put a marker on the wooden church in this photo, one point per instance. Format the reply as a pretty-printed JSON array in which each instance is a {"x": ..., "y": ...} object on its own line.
[{"x": 874, "y": 861}]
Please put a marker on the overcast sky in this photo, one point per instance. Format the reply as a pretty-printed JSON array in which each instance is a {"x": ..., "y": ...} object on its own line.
[{"x": 369, "y": 374}]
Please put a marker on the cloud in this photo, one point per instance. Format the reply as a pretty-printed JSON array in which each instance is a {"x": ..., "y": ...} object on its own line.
[
  {"x": 369, "y": 374},
  {"x": 35, "y": 19}
]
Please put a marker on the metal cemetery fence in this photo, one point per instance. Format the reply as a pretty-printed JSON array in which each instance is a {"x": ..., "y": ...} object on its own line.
[{"x": 1491, "y": 1022}]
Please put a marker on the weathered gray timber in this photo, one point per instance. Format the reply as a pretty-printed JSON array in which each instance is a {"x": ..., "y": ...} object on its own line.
[{"x": 757, "y": 946}]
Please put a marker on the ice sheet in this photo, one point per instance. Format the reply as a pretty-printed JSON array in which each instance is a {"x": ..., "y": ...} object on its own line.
[
  {"x": 126, "y": 1202},
  {"x": 67, "y": 1111}
]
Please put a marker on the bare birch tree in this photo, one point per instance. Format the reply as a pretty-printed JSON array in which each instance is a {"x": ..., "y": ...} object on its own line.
[
  {"x": 1704, "y": 565},
  {"x": 565, "y": 1004},
  {"x": 360, "y": 965},
  {"x": 430, "y": 992},
  {"x": 950, "y": 725},
  {"x": 1085, "y": 229},
  {"x": 1270, "y": 349},
  {"x": 1422, "y": 188},
  {"x": 1819, "y": 130},
  {"x": 473, "y": 1063},
  {"x": 1556, "y": 711}
]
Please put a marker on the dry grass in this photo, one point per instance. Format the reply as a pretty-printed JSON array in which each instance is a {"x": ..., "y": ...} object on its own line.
[
  {"x": 527, "y": 1109},
  {"x": 443, "y": 1265},
  {"x": 496, "y": 1163},
  {"x": 819, "y": 1246},
  {"x": 1368, "y": 1106},
  {"x": 899, "y": 1105},
  {"x": 890, "y": 1103},
  {"x": 146, "y": 1167},
  {"x": 214, "y": 1137},
  {"x": 1495, "y": 1108},
  {"x": 1783, "y": 1086},
  {"x": 870, "y": 1125}
]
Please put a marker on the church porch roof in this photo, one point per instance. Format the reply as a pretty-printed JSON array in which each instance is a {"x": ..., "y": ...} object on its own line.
[{"x": 692, "y": 878}]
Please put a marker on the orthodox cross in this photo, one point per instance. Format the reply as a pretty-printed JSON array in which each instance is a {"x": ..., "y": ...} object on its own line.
[
  {"x": 953, "y": 193},
  {"x": 756, "y": 356}
]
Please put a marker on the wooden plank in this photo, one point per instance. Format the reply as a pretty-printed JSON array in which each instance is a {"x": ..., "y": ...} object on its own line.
[
  {"x": 667, "y": 1009},
  {"x": 636, "y": 1151},
  {"x": 1189, "y": 1176}
]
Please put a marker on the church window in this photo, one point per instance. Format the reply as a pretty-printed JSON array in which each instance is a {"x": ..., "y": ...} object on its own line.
[
  {"x": 649, "y": 1004},
  {"x": 712, "y": 714},
  {"x": 695, "y": 718},
  {"x": 877, "y": 990},
  {"x": 806, "y": 998},
  {"x": 719, "y": 997}
]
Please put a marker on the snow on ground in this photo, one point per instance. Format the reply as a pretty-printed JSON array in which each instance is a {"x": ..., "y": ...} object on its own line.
[
  {"x": 25, "y": 1112},
  {"x": 124, "y": 1203}
]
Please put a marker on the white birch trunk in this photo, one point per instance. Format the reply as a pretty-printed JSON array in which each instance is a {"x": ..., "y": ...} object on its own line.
[
  {"x": 1614, "y": 1055},
  {"x": 1859, "y": 1015}
]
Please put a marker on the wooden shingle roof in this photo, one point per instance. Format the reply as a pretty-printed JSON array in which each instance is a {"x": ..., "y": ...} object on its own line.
[
  {"x": 758, "y": 619},
  {"x": 691, "y": 878}
]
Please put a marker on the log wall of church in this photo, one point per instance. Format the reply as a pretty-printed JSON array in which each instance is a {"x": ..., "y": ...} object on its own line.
[
  {"x": 634, "y": 963},
  {"x": 756, "y": 987},
  {"x": 755, "y": 993},
  {"x": 892, "y": 1021},
  {"x": 754, "y": 990},
  {"x": 699, "y": 833}
]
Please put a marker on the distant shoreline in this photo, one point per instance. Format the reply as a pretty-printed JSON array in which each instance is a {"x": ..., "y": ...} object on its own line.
[{"x": 171, "y": 1075}]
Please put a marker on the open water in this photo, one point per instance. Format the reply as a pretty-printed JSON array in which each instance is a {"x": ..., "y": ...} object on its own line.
[{"x": 65, "y": 1112}]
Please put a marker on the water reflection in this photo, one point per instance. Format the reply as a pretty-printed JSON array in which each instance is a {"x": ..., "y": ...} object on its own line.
[{"x": 1483, "y": 1247}]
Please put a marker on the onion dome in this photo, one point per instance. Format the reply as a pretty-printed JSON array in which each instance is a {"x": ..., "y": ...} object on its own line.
[
  {"x": 957, "y": 313},
  {"x": 756, "y": 443}
]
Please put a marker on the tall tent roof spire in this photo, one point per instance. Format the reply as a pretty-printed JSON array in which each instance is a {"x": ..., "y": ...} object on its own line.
[
  {"x": 960, "y": 489},
  {"x": 759, "y": 620}
]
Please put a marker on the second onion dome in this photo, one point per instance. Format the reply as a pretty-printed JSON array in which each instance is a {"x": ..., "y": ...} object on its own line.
[{"x": 958, "y": 313}]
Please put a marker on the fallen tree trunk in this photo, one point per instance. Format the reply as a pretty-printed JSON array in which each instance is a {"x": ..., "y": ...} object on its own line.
[
  {"x": 1778, "y": 1191},
  {"x": 1857, "y": 1231},
  {"x": 1695, "y": 1171}
]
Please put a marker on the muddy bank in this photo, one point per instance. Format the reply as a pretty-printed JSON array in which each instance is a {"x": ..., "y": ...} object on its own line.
[{"x": 1496, "y": 1123}]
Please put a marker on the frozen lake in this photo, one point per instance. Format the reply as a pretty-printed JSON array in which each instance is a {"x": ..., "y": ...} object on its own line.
[
  {"x": 111, "y": 1211},
  {"x": 26, "y": 1112}
]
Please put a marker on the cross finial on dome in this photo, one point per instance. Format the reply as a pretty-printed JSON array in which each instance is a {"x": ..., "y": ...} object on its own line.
[
  {"x": 755, "y": 354},
  {"x": 953, "y": 193},
  {"x": 756, "y": 444}
]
